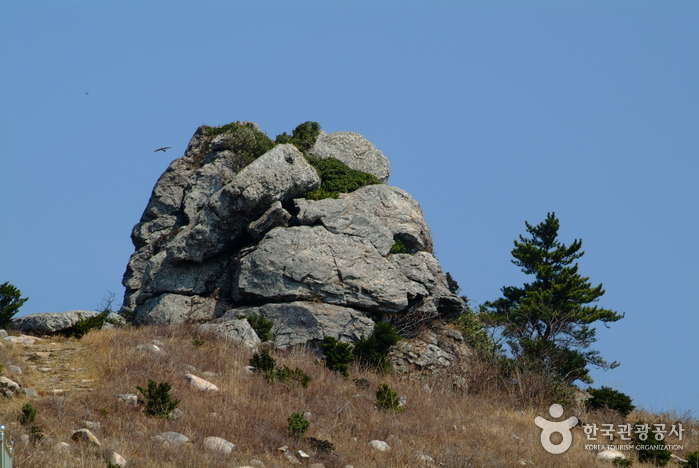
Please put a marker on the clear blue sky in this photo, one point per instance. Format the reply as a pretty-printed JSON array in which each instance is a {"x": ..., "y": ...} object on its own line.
[{"x": 492, "y": 113}]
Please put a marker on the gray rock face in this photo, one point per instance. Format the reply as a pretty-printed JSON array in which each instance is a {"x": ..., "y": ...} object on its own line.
[
  {"x": 237, "y": 330},
  {"x": 355, "y": 151},
  {"x": 281, "y": 174},
  {"x": 302, "y": 322},
  {"x": 175, "y": 309},
  {"x": 439, "y": 350},
  {"x": 220, "y": 239},
  {"x": 52, "y": 322},
  {"x": 311, "y": 263}
]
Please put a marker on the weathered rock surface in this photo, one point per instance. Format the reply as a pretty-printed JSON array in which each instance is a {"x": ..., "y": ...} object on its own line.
[
  {"x": 226, "y": 235},
  {"x": 172, "y": 438},
  {"x": 279, "y": 175},
  {"x": 610, "y": 455},
  {"x": 355, "y": 151},
  {"x": 219, "y": 444},
  {"x": 302, "y": 322},
  {"x": 8, "y": 387},
  {"x": 114, "y": 458},
  {"x": 234, "y": 329},
  {"x": 379, "y": 446},
  {"x": 52, "y": 322},
  {"x": 200, "y": 384},
  {"x": 437, "y": 350},
  {"x": 84, "y": 436},
  {"x": 311, "y": 263},
  {"x": 21, "y": 339}
]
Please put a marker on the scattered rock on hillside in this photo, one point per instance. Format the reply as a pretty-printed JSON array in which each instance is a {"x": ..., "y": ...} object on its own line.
[
  {"x": 114, "y": 458},
  {"x": 61, "y": 447},
  {"x": 85, "y": 436},
  {"x": 8, "y": 387},
  {"x": 609, "y": 455},
  {"x": 130, "y": 398},
  {"x": 172, "y": 438},
  {"x": 219, "y": 444},
  {"x": 48, "y": 323},
  {"x": 22, "y": 339},
  {"x": 200, "y": 384},
  {"x": 379, "y": 446}
]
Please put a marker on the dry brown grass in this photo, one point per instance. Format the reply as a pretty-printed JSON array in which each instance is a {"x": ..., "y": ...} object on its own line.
[{"x": 490, "y": 427}]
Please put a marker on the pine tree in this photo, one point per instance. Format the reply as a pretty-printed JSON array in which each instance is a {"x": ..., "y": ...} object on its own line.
[
  {"x": 547, "y": 322},
  {"x": 10, "y": 301}
]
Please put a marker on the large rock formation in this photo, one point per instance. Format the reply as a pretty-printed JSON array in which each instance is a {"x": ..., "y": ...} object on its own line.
[{"x": 226, "y": 234}]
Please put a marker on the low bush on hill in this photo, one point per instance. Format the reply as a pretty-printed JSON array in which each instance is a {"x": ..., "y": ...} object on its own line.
[
  {"x": 338, "y": 355},
  {"x": 303, "y": 137},
  {"x": 373, "y": 350},
  {"x": 336, "y": 178},
  {"x": 606, "y": 397},
  {"x": 158, "y": 400}
]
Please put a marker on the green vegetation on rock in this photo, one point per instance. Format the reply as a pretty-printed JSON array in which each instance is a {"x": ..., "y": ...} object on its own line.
[
  {"x": 336, "y": 178},
  {"x": 303, "y": 137}
]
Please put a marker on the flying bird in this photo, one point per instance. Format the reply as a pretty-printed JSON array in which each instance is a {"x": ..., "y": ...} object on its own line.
[{"x": 163, "y": 149}]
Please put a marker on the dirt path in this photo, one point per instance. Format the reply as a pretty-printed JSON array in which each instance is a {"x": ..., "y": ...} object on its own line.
[{"x": 56, "y": 367}]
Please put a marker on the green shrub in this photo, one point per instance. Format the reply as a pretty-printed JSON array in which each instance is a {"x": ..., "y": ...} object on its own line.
[
  {"x": 262, "y": 326},
  {"x": 28, "y": 415},
  {"x": 263, "y": 361},
  {"x": 245, "y": 140},
  {"x": 692, "y": 460},
  {"x": 336, "y": 177},
  {"x": 474, "y": 331},
  {"x": 286, "y": 374},
  {"x": 338, "y": 355},
  {"x": 84, "y": 325},
  {"x": 373, "y": 350},
  {"x": 606, "y": 397},
  {"x": 387, "y": 399},
  {"x": 10, "y": 301},
  {"x": 625, "y": 462},
  {"x": 653, "y": 453},
  {"x": 398, "y": 247},
  {"x": 303, "y": 137},
  {"x": 298, "y": 425},
  {"x": 158, "y": 400}
]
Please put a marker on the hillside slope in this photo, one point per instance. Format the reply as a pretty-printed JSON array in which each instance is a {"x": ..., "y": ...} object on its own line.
[{"x": 78, "y": 382}]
